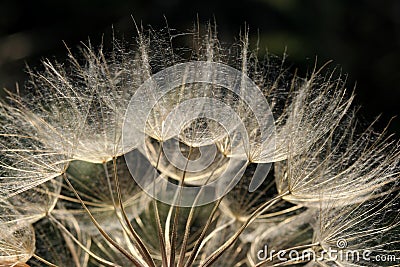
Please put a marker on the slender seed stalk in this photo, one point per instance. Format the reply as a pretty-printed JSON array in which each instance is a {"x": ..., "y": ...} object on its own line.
[
  {"x": 189, "y": 220},
  {"x": 101, "y": 230},
  {"x": 65, "y": 230},
  {"x": 196, "y": 248},
  {"x": 177, "y": 209},
  {"x": 44, "y": 261},
  {"x": 141, "y": 246},
  {"x": 214, "y": 256},
  {"x": 158, "y": 220}
]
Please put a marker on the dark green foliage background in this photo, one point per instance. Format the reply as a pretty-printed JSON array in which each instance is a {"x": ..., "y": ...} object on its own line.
[{"x": 362, "y": 36}]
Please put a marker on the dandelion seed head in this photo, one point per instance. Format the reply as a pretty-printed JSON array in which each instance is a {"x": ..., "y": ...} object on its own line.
[
  {"x": 155, "y": 155},
  {"x": 17, "y": 241}
]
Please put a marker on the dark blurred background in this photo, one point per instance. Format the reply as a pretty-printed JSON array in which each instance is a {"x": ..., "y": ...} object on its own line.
[{"x": 361, "y": 37}]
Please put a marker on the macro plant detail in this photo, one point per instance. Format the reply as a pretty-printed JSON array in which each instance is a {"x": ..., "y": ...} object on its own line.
[{"x": 149, "y": 154}]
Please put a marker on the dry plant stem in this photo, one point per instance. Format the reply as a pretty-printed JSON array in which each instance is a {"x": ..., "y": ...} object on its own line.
[
  {"x": 273, "y": 214},
  {"x": 73, "y": 200},
  {"x": 102, "y": 232},
  {"x": 256, "y": 198},
  {"x": 177, "y": 209},
  {"x": 142, "y": 248},
  {"x": 213, "y": 257},
  {"x": 59, "y": 224},
  {"x": 70, "y": 245},
  {"x": 120, "y": 204},
  {"x": 189, "y": 221},
  {"x": 158, "y": 220},
  {"x": 215, "y": 231},
  {"x": 109, "y": 185},
  {"x": 44, "y": 261},
  {"x": 160, "y": 235},
  {"x": 195, "y": 250},
  {"x": 269, "y": 259}
]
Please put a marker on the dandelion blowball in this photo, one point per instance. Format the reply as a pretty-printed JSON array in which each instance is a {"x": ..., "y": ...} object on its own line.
[{"x": 147, "y": 156}]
